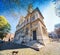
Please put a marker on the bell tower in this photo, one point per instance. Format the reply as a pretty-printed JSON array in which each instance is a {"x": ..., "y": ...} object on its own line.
[{"x": 30, "y": 8}]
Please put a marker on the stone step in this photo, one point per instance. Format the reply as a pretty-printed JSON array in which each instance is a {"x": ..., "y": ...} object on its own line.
[{"x": 34, "y": 45}]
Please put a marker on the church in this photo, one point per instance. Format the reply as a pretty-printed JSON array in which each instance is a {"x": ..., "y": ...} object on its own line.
[{"x": 31, "y": 28}]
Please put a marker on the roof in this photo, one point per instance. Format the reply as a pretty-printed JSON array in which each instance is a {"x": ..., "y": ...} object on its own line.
[{"x": 36, "y": 9}]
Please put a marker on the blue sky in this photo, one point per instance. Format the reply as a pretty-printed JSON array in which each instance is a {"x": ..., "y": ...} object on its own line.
[{"x": 12, "y": 11}]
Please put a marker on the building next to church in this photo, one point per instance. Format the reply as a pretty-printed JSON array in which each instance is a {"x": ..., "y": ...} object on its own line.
[
  {"x": 31, "y": 28},
  {"x": 8, "y": 37},
  {"x": 55, "y": 35}
]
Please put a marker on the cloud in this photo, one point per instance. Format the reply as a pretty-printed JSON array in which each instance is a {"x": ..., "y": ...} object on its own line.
[{"x": 50, "y": 17}]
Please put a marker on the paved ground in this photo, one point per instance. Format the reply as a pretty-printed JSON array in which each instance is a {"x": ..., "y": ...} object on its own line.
[{"x": 50, "y": 49}]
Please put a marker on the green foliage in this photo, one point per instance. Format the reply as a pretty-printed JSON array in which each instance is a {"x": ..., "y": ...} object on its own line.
[{"x": 4, "y": 26}]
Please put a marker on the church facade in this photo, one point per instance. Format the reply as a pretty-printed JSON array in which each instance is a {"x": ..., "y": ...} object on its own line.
[{"x": 31, "y": 28}]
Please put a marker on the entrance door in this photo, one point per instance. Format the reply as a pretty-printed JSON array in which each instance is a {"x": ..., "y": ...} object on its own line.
[{"x": 34, "y": 35}]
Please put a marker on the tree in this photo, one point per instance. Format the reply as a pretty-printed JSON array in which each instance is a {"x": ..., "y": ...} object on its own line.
[{"x": 4, "y": 27}]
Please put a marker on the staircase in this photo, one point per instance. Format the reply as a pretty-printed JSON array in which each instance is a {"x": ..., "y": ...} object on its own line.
[{"x": 34, "y": 44}]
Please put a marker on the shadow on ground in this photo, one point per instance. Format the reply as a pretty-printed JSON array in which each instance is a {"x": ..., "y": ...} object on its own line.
[{"x": 10, "y": 45}]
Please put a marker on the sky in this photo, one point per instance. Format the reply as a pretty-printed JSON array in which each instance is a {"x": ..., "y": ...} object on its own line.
[
  {"x": 51, "y": 19},
  {"x": 12, "y": 10}
]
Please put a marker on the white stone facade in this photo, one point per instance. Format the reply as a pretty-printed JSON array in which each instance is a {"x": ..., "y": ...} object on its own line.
[{"x": 31, "y": 28}]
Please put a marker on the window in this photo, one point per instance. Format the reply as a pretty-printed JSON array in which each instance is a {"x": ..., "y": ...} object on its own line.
[
  {"x": 36, "y": 15},
  {"x": 27, "y": 20},
  {"x": 22, "y": 30},
  {"x": 33, "y": 18},
  {"x": 26, "y": 30}
]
